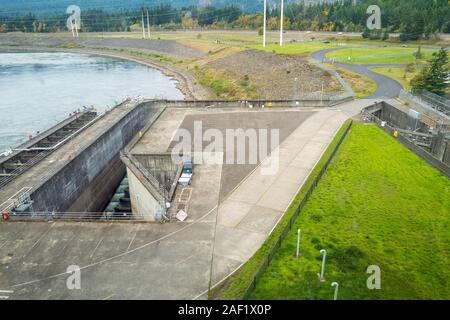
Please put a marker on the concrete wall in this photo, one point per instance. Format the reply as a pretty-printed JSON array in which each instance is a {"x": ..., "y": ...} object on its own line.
[
  {"x": 254, "y": 103},
  {"x": 400, "y": 119},
  {"x": 76, "y": 185},
  {"x": 142, "y": 201}
]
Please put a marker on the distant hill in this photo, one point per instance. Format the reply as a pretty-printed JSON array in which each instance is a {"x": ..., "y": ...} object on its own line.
[{"x": 43, "y": 7}]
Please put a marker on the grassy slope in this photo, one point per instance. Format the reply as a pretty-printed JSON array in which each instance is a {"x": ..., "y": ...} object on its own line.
[
  {"x": 362, "y": 86},
  {"x": 378, "y": 204},
  {"x": 398, "y": 74},
  {"x": 375, "y": 55}
]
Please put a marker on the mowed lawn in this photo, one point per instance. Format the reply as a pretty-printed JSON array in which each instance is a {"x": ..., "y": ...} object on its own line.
[
  {"x": 398, "y": 74},
  {"x": 379, "y": 55},
  {"x": 297, "y": 48},
  {"x": 378, "y": 204}
]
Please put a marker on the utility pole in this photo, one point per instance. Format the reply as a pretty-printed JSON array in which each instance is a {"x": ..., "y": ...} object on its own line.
[
  {"x": 148, "y": 25},
  {"x": 281, "y": 23},
  {"x": 264, "y": 27},
  {"x": 143, "y": 25}
]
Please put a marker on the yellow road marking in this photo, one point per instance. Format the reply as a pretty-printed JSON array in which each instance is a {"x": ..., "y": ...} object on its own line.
[{"x": 183, "y": 260}]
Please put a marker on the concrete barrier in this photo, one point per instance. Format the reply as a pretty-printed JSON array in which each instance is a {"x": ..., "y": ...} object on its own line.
[{"x": 90, "y": 178}]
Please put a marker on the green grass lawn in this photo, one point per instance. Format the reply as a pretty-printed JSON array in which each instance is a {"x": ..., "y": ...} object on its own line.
[
  {"x": 379, "y": 55},
  {"x": 398, "y": 73},
  {"x": 296, "y": 48},
  {"x": 378, "y": 204}
]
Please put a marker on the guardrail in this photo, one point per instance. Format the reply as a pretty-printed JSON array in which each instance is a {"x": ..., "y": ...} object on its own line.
[
  {"x": 76, "y": 217},
  {"x": 45, "y": 152},
  {"x": 318, "y": 101},
  {"x": 349, "y": 93}
]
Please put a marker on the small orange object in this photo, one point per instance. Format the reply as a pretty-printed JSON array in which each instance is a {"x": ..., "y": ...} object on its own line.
[{"x": 5, "y": 216}]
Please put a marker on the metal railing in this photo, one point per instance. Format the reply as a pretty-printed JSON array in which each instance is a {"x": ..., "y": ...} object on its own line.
[
  {"x": 45, "y": 152},
  {"x": 76, "y": 217},
  {"x": 24, "y": 167},
  {"x": 348, "y": 90},
  {"x": 425, "y": 104},
  {"x": 15, "y": 200}
]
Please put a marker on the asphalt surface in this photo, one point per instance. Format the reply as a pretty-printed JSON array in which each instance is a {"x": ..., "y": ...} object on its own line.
[{"x": 387, "y": 87}]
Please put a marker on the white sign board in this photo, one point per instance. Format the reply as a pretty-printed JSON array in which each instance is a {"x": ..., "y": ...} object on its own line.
[{"x": 181, "y": 215}]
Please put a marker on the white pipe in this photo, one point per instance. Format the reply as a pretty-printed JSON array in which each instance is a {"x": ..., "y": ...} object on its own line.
[
  {"x": 264, "y": 27},
  {"x": 336, "y": 285},
  {"x": 322, "y": 271},
  {"x": 281, "y": 23}
]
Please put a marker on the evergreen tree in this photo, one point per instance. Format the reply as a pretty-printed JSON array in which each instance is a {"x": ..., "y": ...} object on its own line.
[{"x": 434, "y": 77}]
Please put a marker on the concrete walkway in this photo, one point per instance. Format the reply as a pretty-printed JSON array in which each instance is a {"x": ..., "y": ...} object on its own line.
[{"x": 250, "y": 213}]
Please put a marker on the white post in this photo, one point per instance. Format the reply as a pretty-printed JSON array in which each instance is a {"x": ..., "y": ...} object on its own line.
[
  {"x": 76, "y": 28},
  {"x": 281, "y": 23},
  {"x": 324, "y": 253},
  {"x": 71, "y": 27},
  {"x": 321, "y": 95},
  {"x": 336, "y": 285},
  {"x": 148, "y": 25},
  {"x": 143, "y": 25},
  {"x": 297, "y": 253},
  {"x": 264, "y": 27}
]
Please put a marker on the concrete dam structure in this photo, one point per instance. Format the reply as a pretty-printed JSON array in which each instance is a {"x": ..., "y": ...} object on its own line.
[
  {"x": 78, "y": 176},
  {"x": 81, "y": 175}
]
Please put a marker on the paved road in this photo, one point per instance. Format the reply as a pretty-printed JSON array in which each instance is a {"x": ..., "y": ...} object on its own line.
[{"x": 387, "y": 87}]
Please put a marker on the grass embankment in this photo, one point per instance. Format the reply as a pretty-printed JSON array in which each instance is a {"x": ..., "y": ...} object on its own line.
[
  {"x": 379, "y": 55},
  {"x": 361, "y": 86},
  {"x": 223, "y": 85},
  {"x": 398, "y": 74},
  {"x": 235, "y": 286},
  {"x": 378, "y": 204}
]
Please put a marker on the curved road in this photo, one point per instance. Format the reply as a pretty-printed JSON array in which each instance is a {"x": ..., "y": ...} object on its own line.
[{"x": 387, "y": 87}]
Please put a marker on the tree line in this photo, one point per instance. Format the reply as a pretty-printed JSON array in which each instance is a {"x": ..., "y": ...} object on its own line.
[{"x": 413, "y": 19}]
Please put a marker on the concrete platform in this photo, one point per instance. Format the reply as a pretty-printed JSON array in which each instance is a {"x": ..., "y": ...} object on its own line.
[
  {"x": 172, "y": 260},
  {"x": 44, "y": 169}
]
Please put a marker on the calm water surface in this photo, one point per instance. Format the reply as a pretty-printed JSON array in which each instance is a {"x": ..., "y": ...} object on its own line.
[{"x": 38, "y": 90}]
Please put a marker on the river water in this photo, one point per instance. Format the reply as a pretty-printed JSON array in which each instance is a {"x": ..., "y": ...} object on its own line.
[{"x": 38, "y": 90}]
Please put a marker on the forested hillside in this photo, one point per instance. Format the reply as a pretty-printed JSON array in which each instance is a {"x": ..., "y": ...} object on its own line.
[{"x": 413, "y": 18}]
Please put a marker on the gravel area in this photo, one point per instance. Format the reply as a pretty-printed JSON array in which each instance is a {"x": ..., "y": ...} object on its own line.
[{"x": 277, "y": 76}]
